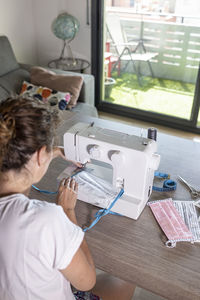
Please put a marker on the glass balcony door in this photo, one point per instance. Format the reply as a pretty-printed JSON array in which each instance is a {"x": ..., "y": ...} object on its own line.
[{"x": 150, "y": 61}]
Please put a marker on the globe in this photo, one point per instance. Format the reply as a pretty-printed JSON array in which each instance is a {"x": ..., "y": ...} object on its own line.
[{"x": 65, "y": 27}]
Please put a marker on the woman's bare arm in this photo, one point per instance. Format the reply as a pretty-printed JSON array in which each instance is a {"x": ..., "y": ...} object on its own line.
[{"x": 81, "y": 271}]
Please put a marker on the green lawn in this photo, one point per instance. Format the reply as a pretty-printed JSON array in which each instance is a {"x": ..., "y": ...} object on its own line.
[{"x": 164, "y": 96}]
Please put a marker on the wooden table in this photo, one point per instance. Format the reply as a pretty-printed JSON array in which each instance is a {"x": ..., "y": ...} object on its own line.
[{"x": 135, "y": 250}]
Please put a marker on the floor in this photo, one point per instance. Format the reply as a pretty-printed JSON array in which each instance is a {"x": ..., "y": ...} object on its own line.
[{"x": 141, "y": 294}]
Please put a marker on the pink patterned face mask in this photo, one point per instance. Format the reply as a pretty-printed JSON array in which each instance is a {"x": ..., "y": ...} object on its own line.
[{"x": 171, "y": 222}]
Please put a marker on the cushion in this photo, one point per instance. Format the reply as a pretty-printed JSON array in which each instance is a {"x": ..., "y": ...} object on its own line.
[
  {"x": 59, "y": 82},
  {"x": 45, "y": 94}
]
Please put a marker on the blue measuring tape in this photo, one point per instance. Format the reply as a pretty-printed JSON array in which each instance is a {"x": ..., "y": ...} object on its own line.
[{"x": 168, "y": 184}]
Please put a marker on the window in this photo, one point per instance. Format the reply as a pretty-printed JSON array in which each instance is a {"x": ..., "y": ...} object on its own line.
[{"x": 149, "y": 61}]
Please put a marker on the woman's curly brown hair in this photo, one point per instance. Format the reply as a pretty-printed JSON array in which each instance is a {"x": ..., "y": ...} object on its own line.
[{"x": 26, "y": 125}]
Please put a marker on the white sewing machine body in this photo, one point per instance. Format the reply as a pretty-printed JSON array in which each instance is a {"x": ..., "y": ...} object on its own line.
[{"x": 133, "y": 159}]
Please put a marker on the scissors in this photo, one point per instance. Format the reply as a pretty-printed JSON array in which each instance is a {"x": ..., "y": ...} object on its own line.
[{"x": 193, "y": 191}]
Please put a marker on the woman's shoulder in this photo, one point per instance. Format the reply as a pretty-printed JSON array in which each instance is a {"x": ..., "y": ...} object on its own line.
[
  {"x": 47, "y": 215},
  {"x": 51, "y": 218},
  {"x": 44, "y": 208},
  {"x": 42, "y": 204}
]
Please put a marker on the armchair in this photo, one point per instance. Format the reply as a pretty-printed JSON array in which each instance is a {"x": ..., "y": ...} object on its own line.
[{"x": 127, "y": 51}]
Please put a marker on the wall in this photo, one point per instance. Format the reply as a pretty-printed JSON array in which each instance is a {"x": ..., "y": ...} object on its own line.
[
  {"x": 48, "y": 46},
  {"x": 27, "y": 23},
  {"x": 16, "y": 22}
]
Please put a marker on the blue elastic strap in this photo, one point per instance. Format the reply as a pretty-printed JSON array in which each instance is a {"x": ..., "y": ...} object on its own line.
[
  {"x": 168, "y": 184},
  {"x": 104, "y": 212},
  {"x": 53, "y": 193},
  {"x": 43, "y": 191},
  {"x": 99, "y": 214}
]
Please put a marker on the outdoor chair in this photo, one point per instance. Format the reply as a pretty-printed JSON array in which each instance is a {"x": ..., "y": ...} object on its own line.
[{"x": 127, "y": 51}]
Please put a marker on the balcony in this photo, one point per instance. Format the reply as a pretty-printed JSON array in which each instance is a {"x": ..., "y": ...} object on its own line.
[{"x": 175, "y": 68}]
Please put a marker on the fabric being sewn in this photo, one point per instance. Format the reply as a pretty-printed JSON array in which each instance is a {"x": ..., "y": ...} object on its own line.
[{"x": 96, "y": 190}]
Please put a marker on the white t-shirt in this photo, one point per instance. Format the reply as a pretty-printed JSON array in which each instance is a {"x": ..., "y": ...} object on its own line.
[{"x": 36, "y": 241}]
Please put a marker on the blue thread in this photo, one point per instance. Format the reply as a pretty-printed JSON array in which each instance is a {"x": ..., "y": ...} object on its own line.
[{"x": 104, "y": 212}]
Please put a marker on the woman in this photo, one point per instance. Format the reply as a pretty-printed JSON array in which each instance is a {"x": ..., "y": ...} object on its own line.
[{"x": 42, "y": 250}]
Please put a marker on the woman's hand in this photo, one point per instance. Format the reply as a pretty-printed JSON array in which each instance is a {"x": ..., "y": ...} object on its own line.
[
  {"x": 59, "y": 152},
  {"x": 67, "y": 194}
]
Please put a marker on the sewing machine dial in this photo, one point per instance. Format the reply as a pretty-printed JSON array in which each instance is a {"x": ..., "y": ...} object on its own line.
[
  {"x": 116, "y": 156},
  {"x": 94, "y": 151}
]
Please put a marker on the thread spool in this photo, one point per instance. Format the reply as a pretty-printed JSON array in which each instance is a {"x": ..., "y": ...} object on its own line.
[{"x": 152, "y": 133}]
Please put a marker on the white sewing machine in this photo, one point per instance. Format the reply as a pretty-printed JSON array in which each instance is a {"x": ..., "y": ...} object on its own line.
[{"x": 133, "y": 160}]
